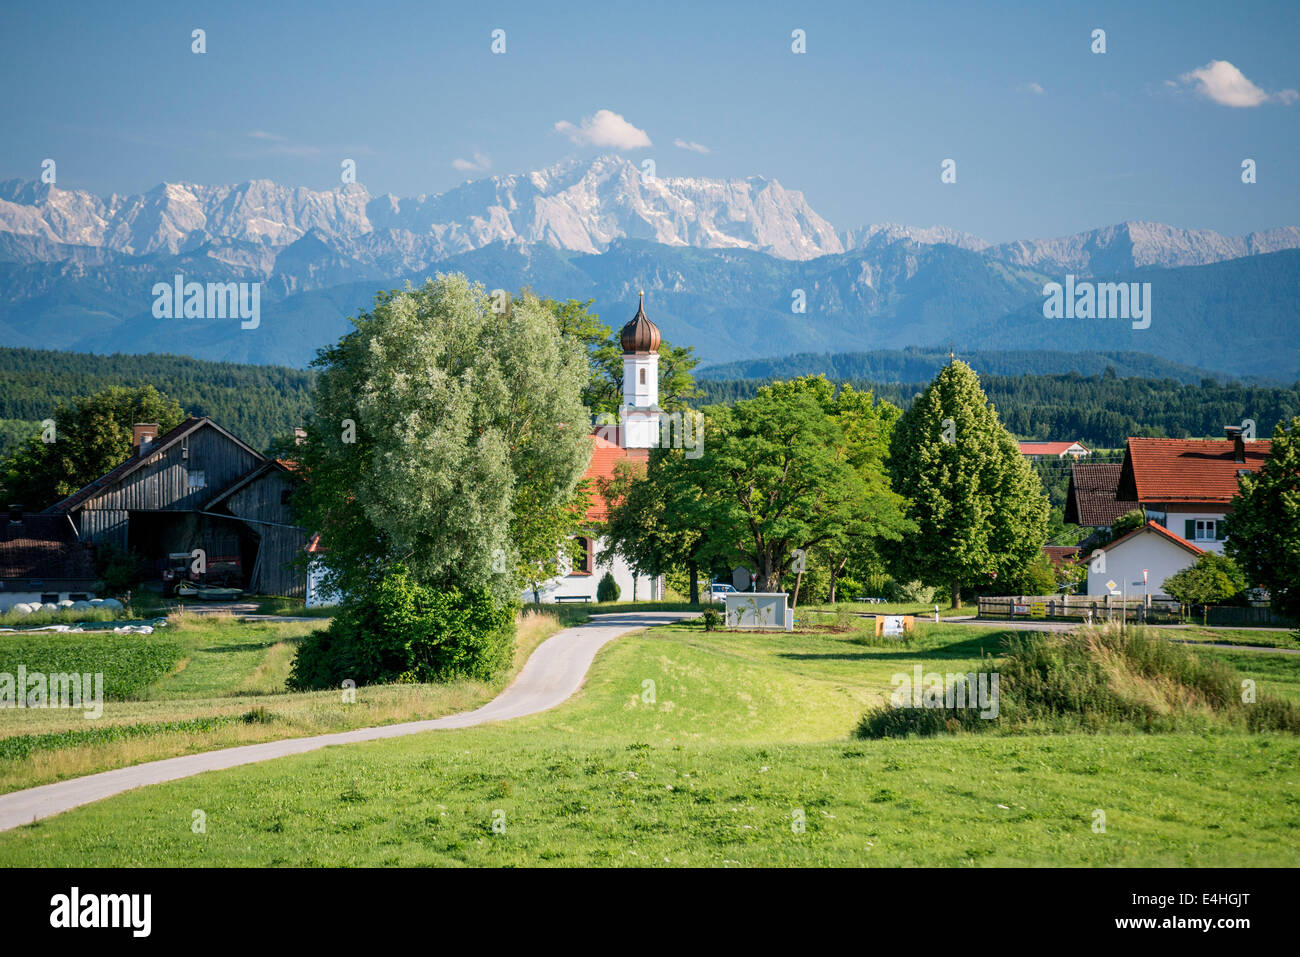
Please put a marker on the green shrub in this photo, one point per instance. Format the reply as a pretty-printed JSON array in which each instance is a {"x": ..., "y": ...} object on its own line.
[
  {"x": 608, "y": 589},
  {"x": 118, "y": 570},
  {"x": 402, "y": 631},
  {"x": 712, "y": 619},
  {"x": 910, "y": 593}
]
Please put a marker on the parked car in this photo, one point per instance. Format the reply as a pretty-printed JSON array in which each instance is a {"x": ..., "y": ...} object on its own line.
[{"x": 718, "y": 591}]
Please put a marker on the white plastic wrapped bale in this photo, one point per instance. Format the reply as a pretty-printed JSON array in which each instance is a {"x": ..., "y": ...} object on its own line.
[
  {"x": 65, "y": 603},
  {"x": 49, "y": 606},
  {"x": 111, "y": 603}
]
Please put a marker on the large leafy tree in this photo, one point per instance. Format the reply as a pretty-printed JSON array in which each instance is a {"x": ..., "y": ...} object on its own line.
[
  {"x": 774, "y": 479},
  {"x": 92, "y": 434},
  {"x": 448, "y": 438},
  {"x": 1214, "y": 578},
  {"x": 979, "y": 509},
  {"x": 1263, "y": 528},
  {"x": 865, "y": 429},
  {"x": 659, "y": 516}
]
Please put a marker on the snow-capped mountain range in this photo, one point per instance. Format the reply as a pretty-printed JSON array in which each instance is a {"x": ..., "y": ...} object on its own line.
[{"x": 573, "y": 206}]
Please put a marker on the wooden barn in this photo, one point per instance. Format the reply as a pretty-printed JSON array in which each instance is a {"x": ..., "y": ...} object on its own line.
[{"x": 197, "y": 486}]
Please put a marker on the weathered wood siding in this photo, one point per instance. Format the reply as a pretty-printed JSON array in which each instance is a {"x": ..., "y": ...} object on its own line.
[
  {"x": 261, "y": 503},
  {"x": 163, "y": 484}
]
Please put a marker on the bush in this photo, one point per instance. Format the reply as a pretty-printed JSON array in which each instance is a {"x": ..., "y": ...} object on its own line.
[
  {"x": 712, "y": 619},
  {"x": 608, "y": 589},
  {"x": 402, "y": 631},
  {"x": 1098, "y": 679},
  {"x": 910, "y": 593},
  {"x": 118, "y": 570}
]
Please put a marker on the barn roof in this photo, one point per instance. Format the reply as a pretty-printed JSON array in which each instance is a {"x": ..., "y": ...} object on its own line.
[
  {"x": 121, "y": 471},
  {"x": 44, "y": 547}
]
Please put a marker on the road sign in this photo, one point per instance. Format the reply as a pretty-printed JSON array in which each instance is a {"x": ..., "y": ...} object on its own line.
[
  {"x": 1038, "y": 609},
  {"x": 1112, "y": 585}
]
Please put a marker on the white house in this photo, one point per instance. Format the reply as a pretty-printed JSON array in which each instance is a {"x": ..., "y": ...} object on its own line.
[
  {"x": 1187, "y": 485},
  {"x": 1152, "y": 547},
  {"x": 632, "y": 439},
  {"x": 1184, "y": 487},
  {"x": 1054, "y": 450}
]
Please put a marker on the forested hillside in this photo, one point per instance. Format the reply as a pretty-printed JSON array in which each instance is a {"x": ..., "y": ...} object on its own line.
[
  {"x": 256, "y": 403},
  {"x": 1100, "y": 410}
]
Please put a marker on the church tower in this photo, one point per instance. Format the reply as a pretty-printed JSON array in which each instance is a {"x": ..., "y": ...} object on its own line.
[{"x": 639, "y": 416}]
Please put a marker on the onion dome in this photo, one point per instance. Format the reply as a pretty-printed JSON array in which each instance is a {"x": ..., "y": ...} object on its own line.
[{"x": 640, "y": 334}]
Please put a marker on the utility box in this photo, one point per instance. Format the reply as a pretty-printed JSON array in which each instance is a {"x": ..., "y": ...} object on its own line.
[{"x": 754, "y": 610}]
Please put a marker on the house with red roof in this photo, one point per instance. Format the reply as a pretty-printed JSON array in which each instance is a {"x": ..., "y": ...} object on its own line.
[
  {"x": 1184, "y": 487},
  {"x": 1053, "y": 450},
  {"x": 1187, "y": 485},
  {"x": 636, "y": 432}
]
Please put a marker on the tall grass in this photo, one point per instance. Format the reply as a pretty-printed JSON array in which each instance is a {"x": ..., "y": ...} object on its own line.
[{"x": 1098, "y": 679}]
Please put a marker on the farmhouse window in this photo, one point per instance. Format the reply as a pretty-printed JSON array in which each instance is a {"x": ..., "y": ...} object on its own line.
[
  {"x": 1203, "y": 530},
  {"x": 582, "y": 560},
  {"x": 198, "y": 479}
]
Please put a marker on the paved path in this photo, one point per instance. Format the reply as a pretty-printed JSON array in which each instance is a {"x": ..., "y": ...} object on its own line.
[{"x": 552, "y": 674}]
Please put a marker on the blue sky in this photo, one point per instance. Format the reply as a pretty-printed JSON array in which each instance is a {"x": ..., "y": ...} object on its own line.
[{"x": 1049, "y": 138}]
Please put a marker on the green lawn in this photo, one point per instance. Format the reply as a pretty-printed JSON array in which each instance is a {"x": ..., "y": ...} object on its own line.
[
  {"x": 710, "y": 749},
  {"x": 202, "y": 682}
]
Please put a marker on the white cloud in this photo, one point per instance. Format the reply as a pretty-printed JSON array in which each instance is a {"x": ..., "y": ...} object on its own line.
[
  {"x": 276, "y": 145},
  {"x": 605, "y": 128},
  {"x": 478, "y": 164},
  {"x": 1035, "y": 88},
  {"x": 1223, "y": 83},
  {"x": 693, "y": 147}
]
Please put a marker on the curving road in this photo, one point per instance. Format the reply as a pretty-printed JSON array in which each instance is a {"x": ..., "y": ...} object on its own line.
[{"x": 551, "y": 675}]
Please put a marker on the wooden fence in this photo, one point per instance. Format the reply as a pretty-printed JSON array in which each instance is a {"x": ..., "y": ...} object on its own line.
[{"x": 1098, "y": 608}]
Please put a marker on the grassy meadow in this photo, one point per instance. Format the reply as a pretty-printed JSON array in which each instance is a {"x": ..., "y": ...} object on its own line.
[{"x": 697, "y": 748}]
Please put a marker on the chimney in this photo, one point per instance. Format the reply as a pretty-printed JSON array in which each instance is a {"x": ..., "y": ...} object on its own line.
[
  {"x": 299, "y": 435},
  {"x": 142, "y": 436},
  {"x": 1238, "y": 443}
]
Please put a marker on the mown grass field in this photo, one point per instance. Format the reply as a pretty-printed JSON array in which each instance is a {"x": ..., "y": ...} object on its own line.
[
  {"x": 200, "y": 683},
  {"x": 714, "y": 749}
]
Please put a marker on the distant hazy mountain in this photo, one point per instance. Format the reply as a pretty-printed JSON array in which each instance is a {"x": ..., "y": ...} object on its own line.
[{"x": 725, "y": 264}]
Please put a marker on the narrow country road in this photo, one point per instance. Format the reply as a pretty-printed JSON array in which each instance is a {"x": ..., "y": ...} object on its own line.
[{"x": 551, "y": 675}]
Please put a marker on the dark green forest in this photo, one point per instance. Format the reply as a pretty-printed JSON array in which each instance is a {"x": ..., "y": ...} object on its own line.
[
  {"x": 259, "y": 403},
  {"x": 256, "y": 403},
  {"x": 1101, "y": 411}
]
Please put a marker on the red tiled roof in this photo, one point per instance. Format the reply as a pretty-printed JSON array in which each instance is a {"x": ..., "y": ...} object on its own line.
[
  {"x": 1187, "y": 470},
  {"x": 1057, "y": 554},
  {"x": 605, "y": 455},
  {"x": 1160, "y": 529},
  {"x": 1047, "y": 448}
]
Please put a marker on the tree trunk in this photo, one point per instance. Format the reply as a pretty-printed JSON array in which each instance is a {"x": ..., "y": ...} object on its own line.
[
  {"x": 956, "y": 594},
  {"x": 695, "y": 583}
]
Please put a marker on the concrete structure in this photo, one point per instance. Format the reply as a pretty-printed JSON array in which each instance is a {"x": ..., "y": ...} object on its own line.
[{"x": 759, "y": 610}]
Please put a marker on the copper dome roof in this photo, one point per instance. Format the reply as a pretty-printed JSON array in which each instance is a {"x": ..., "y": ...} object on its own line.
[{"x": 640, "y": 334}]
